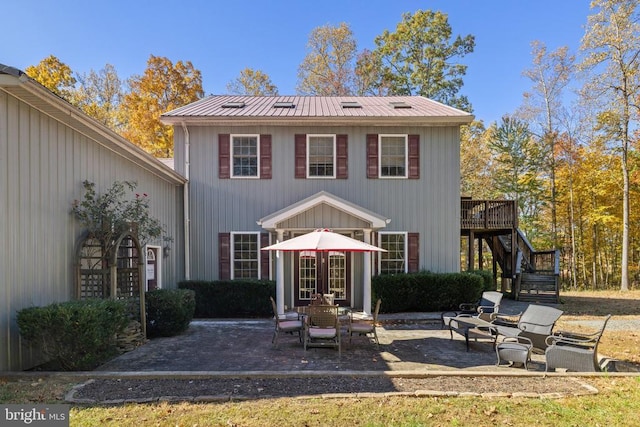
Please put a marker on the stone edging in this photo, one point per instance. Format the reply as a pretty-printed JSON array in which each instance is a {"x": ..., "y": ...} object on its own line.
[{"x": 584, "y": 390}]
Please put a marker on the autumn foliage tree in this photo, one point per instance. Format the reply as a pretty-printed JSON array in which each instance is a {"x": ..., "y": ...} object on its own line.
[
  {"x": 422, "y": 58},
  {"x": 253, "y": 83},
  {"x": 163, "y": 86},
  {"x": 99, "y": 95},
  {"x": 612, "y": 48},
  {"x": 327, "y": 69},
  {"x": 55, "y": 75}
]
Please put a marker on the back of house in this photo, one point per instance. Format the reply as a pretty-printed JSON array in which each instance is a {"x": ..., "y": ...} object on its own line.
[{"x": 384, "y": 170}]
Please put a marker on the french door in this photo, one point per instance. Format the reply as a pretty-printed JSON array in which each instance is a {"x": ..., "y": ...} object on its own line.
[{"x": 322, "y": 273}]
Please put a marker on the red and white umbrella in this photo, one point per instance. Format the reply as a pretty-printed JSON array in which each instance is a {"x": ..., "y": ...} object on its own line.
[{"x": 323, "y": 240}]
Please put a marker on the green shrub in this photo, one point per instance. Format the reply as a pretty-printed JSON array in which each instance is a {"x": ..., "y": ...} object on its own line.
[
  {"x": 169, "y": 311},
  {"x": 426, "y": 291},
  {"x": 231, "y": 298},
  {"x": 488, "y": 284},
  {"x": 74, "y": 335}
]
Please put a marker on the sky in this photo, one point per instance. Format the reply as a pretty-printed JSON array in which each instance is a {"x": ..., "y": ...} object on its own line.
[{"x": 221, "y": 38}]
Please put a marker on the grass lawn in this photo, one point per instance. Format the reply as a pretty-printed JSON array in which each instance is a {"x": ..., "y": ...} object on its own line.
[{"x": 617, "y": 404}]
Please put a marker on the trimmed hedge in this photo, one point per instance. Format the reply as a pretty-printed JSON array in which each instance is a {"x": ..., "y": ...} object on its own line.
[
  {"x": 425, "y": 291},
  {"x": 231, "y": 298},
  {"x": 488, "y": 284},
  {"x": 74, "y": 335},
  {"x": 169, "y": 311}
]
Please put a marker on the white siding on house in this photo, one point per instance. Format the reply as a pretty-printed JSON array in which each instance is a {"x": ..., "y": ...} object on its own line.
[{"x": 43, "y": 163}]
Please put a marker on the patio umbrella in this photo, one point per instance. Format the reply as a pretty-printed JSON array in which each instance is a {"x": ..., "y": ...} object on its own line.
[{"x": 323, "y": 240}]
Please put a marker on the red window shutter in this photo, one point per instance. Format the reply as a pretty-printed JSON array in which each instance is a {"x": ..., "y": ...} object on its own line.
[
  {"x": 301, "y": 155},
  {"x": 414, "y": 156},
  {"x": 342, "y": 153},
  {"x": 224, "y": 256},
  {"x": 265, "y": 257},
  {"x": 413, "y": 258},
  {"x": 265, "y": 156},
  {"x": 224, "y": 156},
  {"x": 372, "y": 156}
]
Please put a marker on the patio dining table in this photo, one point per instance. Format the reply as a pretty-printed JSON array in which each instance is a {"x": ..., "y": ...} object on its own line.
[
  {"x": 471, "y": 327},
  {"x": 343, "y": 312}
]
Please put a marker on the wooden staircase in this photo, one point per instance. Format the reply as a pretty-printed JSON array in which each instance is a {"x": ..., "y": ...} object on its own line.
[
  {"x": 538, "y": 288},
  {"x": 534, "y": 274}
]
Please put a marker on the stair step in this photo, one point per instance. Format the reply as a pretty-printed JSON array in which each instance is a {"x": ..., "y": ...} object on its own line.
[{"x": 543, "y": 297}]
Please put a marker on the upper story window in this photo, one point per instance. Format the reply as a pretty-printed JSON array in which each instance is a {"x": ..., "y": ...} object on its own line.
[
  {"x": 245, "y": 254},
  {"x": 394, "y": 260},
  {"x": 245, "y": 156},
  {"x": 393, "y": 156},
  {"x": 321, "y": 156}
]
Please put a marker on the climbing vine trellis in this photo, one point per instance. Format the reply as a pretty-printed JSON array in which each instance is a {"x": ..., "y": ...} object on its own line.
[{"x": 110, "y": 258}]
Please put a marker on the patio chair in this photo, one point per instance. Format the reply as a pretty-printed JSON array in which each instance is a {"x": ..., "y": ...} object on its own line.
[
  {"x": 364, "y": 325},
  {"x": 573, "y": 351},
  {"x": 535, "y": 323},
  {"x": 287, "y": 323},
  {"x": 484, "y": 308},
  {"x": 322, "y": 327}
]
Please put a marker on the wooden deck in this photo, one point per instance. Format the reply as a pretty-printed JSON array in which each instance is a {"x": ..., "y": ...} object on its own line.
[{"x": 488, "y": 215}]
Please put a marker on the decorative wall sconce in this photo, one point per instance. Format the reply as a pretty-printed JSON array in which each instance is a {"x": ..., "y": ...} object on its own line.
[{"x": 166, "y": 250}]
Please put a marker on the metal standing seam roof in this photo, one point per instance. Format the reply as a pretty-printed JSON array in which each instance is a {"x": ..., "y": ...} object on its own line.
[{"x": 309, "y": 107}]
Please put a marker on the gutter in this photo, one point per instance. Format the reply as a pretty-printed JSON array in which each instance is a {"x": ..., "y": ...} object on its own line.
[{"x": 187, "y": 218}]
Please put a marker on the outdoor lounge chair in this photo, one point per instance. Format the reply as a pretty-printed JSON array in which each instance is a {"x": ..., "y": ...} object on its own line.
[
  {"x": 322, "y": 327},
  {"x": 484, "y": 308},
  {"x": 574, "y": 352},
  {"x": 287, "y": 323},
  {"x": 535, "y": 323},
  {"x": 364, "y": 326}
]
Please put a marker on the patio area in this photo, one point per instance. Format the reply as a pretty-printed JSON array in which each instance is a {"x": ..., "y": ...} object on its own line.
[
  {"x": 409, "y": 342},
  {"x": 245, "y": 345}
]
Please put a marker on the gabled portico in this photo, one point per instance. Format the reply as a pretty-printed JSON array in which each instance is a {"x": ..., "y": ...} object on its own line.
[{"x": 324, "y": 210}]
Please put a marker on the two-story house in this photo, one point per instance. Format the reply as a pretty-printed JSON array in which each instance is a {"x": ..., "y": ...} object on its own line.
[{"x": 384, "y": 170}]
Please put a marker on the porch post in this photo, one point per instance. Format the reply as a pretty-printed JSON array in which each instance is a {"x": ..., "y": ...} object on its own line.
[
  {"x": 280, "y": 275},
  {"x": 366, "y": 291}
]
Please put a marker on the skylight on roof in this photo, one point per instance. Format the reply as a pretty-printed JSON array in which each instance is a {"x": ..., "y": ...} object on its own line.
[
  {"x": 233, "y": 105},
  {"x": 350, "y": 104},
  {"x": 283, "y": 104},
  {"x": 399, "y": 104}
]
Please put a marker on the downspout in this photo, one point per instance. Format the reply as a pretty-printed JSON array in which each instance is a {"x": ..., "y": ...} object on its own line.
[{"x": 187, "y": 218}]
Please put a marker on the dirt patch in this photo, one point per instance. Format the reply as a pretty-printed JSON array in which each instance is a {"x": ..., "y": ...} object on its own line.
[{"x": 116, "y": 390}]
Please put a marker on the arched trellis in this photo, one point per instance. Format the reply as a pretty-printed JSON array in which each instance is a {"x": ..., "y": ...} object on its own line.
[{"x": 111, "y": 270}]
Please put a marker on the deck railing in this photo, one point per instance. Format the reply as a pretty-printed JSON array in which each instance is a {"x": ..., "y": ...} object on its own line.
[{"x": 488, "y": 214}]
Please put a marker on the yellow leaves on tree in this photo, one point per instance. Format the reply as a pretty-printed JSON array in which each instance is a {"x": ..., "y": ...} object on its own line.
[
  {"x": 164, "y": 86},
  {"x": 55, "y": 75}
]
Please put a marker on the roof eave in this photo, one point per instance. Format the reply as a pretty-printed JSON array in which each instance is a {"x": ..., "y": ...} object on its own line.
[{"x": 325, "y": 121}]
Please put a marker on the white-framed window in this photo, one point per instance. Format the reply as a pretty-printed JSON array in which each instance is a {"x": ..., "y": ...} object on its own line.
[
  {"x": 321, "y": 156},
  {"x": 245, "y": 156},
  {"x": 393, "y": 158},
  {"x": 245, "y": 255},
  {"x": 395, "y": 259}
]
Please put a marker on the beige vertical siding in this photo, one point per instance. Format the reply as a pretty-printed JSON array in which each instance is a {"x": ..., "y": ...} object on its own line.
[{"x": 42, "y": 165}]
